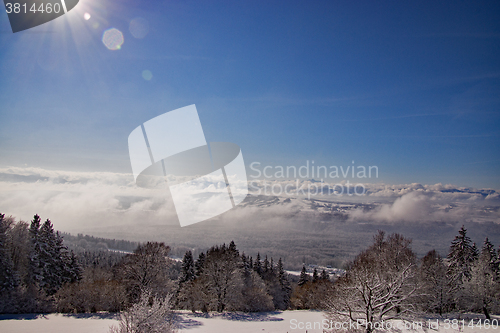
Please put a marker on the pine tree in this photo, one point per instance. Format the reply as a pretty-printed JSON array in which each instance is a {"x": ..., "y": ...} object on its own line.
[
  {"x": 284, "y": 283},
  {"x": 461, "y": 259},
  {"x": 315, "y": 276},
  {"x": 258, "y": 265},
  {"x": 461, "y": 256},
  {"x": 187, "y": 268},
  {"x": 483, "y": 287},
  {"x": 35, "y": 274},
  {"x": 233, "y": 250},
  {"x": 198, "y": 265},
  {"x": 304, "y": 277},
  {"x": 50, "y": 261},
  {"x": 244, "y": 262},
  {"x": 266, "y": 265},
  {"x": 435, "y": 295},
  {"x": 488, "y": 254},
  {"x": 8, "y": 277}
]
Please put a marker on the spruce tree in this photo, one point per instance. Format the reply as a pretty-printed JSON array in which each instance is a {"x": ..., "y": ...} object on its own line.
[
  {"x": 315, "y": 276},
  {"x": 284, "y": 283},
  {"x": 8, "y": 278},
  {"x": 198, "y": 265},
  {"x": 258, "y": 265},
  {"x": 461, "y": 256},
  {"x": 187, "y": 269},
  {"x": 303, "y": 276},
  {"x": 488, "y": 254},
  {"x": 35, "y": 274}
]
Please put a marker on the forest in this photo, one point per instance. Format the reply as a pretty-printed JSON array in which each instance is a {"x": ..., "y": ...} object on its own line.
[{"x": 40, "y": 273}]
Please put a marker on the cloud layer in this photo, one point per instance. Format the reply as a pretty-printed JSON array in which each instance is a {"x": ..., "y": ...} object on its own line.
[{"x": 76, "y": 201}]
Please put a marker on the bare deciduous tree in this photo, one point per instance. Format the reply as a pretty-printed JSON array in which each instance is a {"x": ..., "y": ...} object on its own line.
[
  {"x": 379, "y": 285},
  {"x": 152, "y": 314}
]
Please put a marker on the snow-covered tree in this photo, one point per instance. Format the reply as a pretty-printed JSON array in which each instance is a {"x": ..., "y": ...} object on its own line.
[
  {"x": 254, "y": 293},
  {"x": 461, "y": 257},
  {"x": 285, "y": 285},
  {"x": 146, "y": 268},
  {"x": 304, "y": 277},
  {"x": 187, "y": 268},
  {"x": 198, "y": 265},
  {"x": 379, "y": 285},
  {"x": 21, "y": 251},
  {"x": 257, "y": 265},
  {"x": 489, "y": 255},
  {"x": 482, "y": 289},
  {"x": 315, "y": 277},
  {"x": 35, "y": 274},
  {"x": 435, "y": 295},
  {"x": 8, "y": 277},
  {"x": 55, "y": 264},
  {"x": 222, "y": 274},
  {"x": 152, "y": 314}
]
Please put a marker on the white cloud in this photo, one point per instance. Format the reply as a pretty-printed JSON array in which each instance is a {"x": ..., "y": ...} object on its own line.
[{"x": 76, "y": 201}]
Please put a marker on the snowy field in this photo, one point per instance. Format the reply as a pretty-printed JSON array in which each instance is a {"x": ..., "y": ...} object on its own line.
[{"x": 276, "y": 322}]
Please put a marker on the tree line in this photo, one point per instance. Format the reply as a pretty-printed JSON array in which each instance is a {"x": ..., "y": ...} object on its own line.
[
  {"x": 34, "y": 265},
  {"x": 385, "y": 281}
]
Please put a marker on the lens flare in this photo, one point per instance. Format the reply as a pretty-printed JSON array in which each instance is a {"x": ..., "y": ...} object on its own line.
[
  {"x": 86, "y": 16},
  {"x": 139, "y": 27},
  {"x": 113, "y": 39},
  {"x": 147, "y": 75}
]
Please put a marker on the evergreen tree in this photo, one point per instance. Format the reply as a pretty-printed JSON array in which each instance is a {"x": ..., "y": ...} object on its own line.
[
  {"x": 187, "y": 268},
  {"x": 35, "y": 274},
  {"x": 198, "y": 265},
  {"x": 325, "y": 276},
  {"x": 284, "y": 283},
  {"x": 8, "y": 278},
  {"x": 244, "y": 262},
  {"x": 482, "y": 290},
  {"x": 258, "y": 265},
  {"x": 233, "y": 250},
  {"x": 315, "y": 276},
  {"x": 434, "y": 283},
  {"x": 304, "y": 277},
  {"x": 488, "y": 254},
  {"x": 74, "y": 272},
  {"x": 461, "y": 256},
  {"x": 51, "y": 262},
  {"x": 266, "y": 265}
]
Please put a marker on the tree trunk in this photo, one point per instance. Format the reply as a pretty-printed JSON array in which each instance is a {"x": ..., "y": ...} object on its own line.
[{"x": 486, "y": 313}]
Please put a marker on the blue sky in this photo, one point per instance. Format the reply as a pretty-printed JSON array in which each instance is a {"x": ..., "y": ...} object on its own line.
[{"x": 413, "y": 88}]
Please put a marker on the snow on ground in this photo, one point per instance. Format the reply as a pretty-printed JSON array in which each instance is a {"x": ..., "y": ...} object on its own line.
[
  {"x": 298, "y": 321},
  {"x": 57, "y": 323},
  {"x": 275, "y": 322}
]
